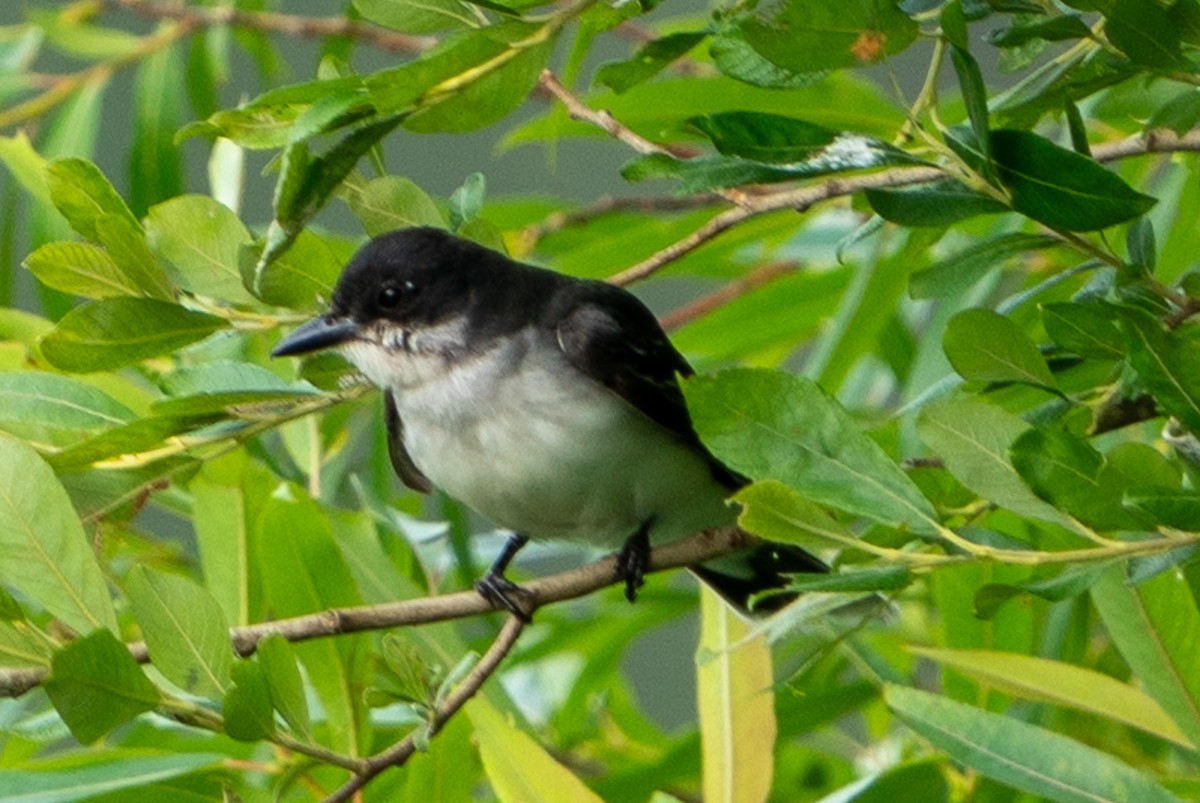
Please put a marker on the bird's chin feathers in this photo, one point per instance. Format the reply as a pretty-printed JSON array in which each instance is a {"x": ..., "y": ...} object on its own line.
[{"x": 393, "y": 356}]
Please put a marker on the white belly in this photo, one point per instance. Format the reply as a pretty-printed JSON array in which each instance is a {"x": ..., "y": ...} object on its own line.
[{"x": 555, "y": 455}]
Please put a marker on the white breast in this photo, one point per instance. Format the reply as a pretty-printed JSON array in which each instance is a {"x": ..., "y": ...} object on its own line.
[{"x": 544, "y": 450}]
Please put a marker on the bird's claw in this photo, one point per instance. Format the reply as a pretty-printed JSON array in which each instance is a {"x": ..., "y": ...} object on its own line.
[{"x": 500, "y": 591}]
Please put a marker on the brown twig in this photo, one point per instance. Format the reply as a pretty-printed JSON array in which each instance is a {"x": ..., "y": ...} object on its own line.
[
  {"x": 402, "y": 751},
  {"x": 288, "y": 24},
  {"x": 545, "y": 591},
  {"x": 734, "y": 290}
]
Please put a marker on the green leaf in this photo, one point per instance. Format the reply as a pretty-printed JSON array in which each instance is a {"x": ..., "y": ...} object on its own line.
[
  {"x": 736, "y": 702},
  {"x": 1067, "y": 472},
  {"x": 1060, "y": 683},
  {"x": 303, "y": 277},
  {"x": 803, "y": 37},
  {"x": 466, "y": 202},
  {"x": 282, "y": 675},
  {"x": 22, "y": 645},
  {"x": 1156, "y": 627},
  {"x": 84, "y": 196},
  {"x": 1054, "y": 29},
  {"x": 1180, "y": 114},
  {"x": 185, "y": 631},
  {"x": 1040, "y": 762},
  {"x": 1144, "y": 32},
  {"x": 96, "y": 685},
  {"x": 109, "y": 771},
  {"x": 954, "y": 274},
  {"x": 200, "y": 238},
  {"x": 128, "y": 440},
  {"x": 391, "y": 202},
  {"x": 247, "y": 707},
  {"x": 775, "y": 512},
  {"x": 155, "y": 163},
  {"x": 1088, "y": 330},
  {"x": 649, "y": 60},
  {"x": 53, "y": 410},
  {"x": 772, "y": 425},
  {"x": 984, "y": 346},
  {"x": 973, "y": 438},
  {"x": 518, "y": 768},
  {"x": 1170, "y": 506},
  {"x": 114, "y": 332},
  {"x": 941, "y": 203},
  {"x": 1061, "y": 188},
  {"x": 882, "y": 578},
  {"x": 82, "y": 269},
  {"x": 47, "y": 556},
  {"x": 417, "y": 16},
  {"x": 1166, "y": 362}
]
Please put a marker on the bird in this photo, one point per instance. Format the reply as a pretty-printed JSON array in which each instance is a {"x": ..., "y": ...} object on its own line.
[{"x": 550, "y": 405}]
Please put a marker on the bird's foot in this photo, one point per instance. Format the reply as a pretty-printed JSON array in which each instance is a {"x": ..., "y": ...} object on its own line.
[
  {"x": 632, "y": 562},
  {"x": 504, "y": 593}
]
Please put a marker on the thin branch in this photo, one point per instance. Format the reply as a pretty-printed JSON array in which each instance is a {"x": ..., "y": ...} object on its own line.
[
  {"x": 288, "y": 24},
  {"x": 730, "y": 292},
  {"x": 402, "y": 751},
  {"x": 545, "y": 591},
  {"x": 801, "y": 199},
  {"x": 607, "y": 205}
]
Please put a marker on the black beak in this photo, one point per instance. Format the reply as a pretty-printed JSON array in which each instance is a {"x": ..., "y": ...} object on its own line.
[{"x": 319, "y": 333}]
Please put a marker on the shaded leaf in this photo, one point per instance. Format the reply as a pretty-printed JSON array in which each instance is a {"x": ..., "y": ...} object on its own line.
[
  {"x": 114, "y": 332},
  {"x": 247, "y": 705},
  {"x": 984, "y": 346},
  {"x": 1144, "y": 32},
  {"x": 282, "y": 675},
  {"x": 649, "y": 60},
  {"x": 956, "y": 273},
  {"x": 941, "y": 203},
  {"x": 96, "y": 685},
  {"x": 1089, "y": 330},
  {"x": 1166, "y": 362},
  {"x": 112, "y": 770},
  {"x": 46, "y": 555}
]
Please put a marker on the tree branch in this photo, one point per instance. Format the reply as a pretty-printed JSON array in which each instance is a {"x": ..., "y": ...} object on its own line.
[
  {"x": 402, "y": 751},
  {"x": 288, "y": 24},
  {"x": 749, "y": 205},
  {"x": 545, "y": 591},
  {"x": 730, "y": 292}
]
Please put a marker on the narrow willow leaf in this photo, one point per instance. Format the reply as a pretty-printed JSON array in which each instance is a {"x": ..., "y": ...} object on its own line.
[
  {"x": 21, "y": 645},
  {"x": 1156, "y": 627},
  {"x": 649, "y": 60},
  {"x": 114, "y": 332},
  {"x": 109, "y": 771},
  {"x": 155, "y": 163},
  {"x": 96, "y": 685},
  {"x": 416, "y": 16},
  {"x": 775, "y": 512},
  {"x": 771, "y": 425},
  {"x": 391, "y": 202},
  {"x": 282, "y": 675},
  {"x": 185, "y": 631},
  {"x": 1089, "y": 330},
  {"x": 53, "y": 410},
  {"x": 941, "y": 203},
  {"x": 806, "y": 37},
  {"x": 1144, "y": 32},
  {"x": 1166, "y": 362},
  {"x": 43, "y": 547},
  {"x": 83, "y": 195},
  {"x": 1180, "y": 114},
  {"x": 1170, "y": 506},
  {"x": 517, "y": 767},
  {"x": 247, "y": 705},
  {"x": 1067, "y": 472},
  {"x": 973, "y": 438},
  {"x": 201, "y": 238},
  {"x": 736, "y": 706},
  {"x": 129, "y": 440},
  {"x": 1054, "y": 29},
  {"x": 1062, "y": 684},
  {"x": 956, "y": 273},
  {"x": 81, "y": 269},
  {"x": 984, "y": 346},
  {"x": 1040, "y": 762},
  {"x": 1061, "y": 188}
]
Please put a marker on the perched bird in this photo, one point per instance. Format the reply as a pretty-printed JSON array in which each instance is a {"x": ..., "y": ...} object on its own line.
[{"x": 549, "y": 404}]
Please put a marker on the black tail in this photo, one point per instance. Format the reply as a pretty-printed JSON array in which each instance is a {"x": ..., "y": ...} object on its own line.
[{"x": 737, "y": 577}]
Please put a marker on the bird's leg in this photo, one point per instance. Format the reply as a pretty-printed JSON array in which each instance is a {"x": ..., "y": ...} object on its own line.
[
  {"x": 633, "y": 560},
  {"x": 498, "y": 589}
]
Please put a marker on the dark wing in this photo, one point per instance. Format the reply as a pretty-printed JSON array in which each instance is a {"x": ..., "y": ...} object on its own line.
[
  {"x": 402, "y": 463},
  {"x": 611, "y": 337}
]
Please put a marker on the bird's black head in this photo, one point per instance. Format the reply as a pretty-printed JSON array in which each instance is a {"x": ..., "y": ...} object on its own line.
[{"x": 403, "y": 280}]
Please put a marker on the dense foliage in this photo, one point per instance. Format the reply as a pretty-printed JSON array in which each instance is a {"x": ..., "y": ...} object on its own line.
[{"x": 951, "y": 337}]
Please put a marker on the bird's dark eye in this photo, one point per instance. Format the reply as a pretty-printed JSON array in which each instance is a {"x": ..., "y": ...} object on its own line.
[{"x": 391, "y": 295}]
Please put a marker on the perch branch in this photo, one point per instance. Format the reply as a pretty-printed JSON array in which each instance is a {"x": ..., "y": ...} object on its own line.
[
  {"x": 730, "y": 292},
  {"x": 555, "y": 588}
]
